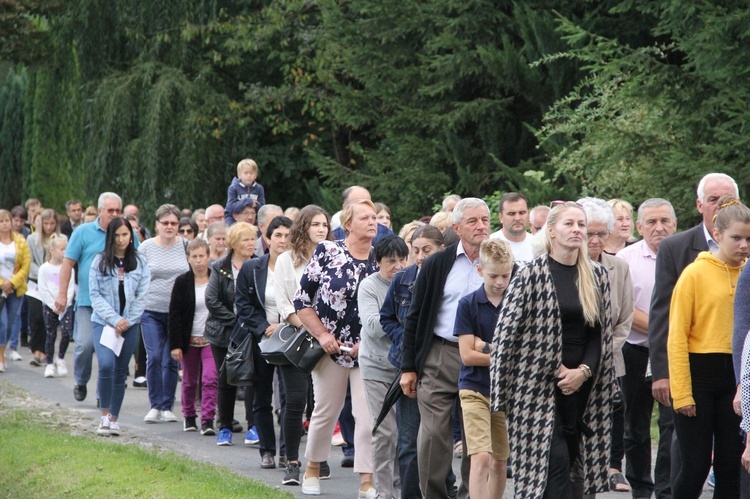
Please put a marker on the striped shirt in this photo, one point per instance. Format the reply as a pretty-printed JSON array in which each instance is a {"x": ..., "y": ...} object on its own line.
[{"x": 166, "y": 263}]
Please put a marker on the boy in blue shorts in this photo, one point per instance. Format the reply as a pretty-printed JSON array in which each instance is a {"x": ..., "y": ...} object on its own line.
[{"x": 485, "y": 432}]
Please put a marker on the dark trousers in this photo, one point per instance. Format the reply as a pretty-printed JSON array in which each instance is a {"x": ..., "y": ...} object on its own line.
[
  {"x": 37, "y": 331},
  {"x": 263, "y": 402},
  {"x": 714, "y": 425},
  {"x": 296, "y": 383},
  {"x": 346, "y": 423},
  {"x": 617, "y": 452},
  {"x": 227, "y": 393},
  {"x": 51, "y": 323},
  {"x": 639, "y": 405},
  {"x": 562, "y": 454},
  {"x": 140, "y": 356}
]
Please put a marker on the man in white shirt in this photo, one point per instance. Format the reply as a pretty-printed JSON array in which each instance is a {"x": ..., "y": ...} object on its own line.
[{"x": 514, "y": 217}]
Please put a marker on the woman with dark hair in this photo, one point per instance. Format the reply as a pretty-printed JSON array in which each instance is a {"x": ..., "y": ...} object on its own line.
[
  {"x": 383, "y": 214},
  {"x": 310, "y": 227},
  {"x": 187, "y": 229},
  {"x": 118, "y": 285},
  {"x": 222, "y": 318},
  {"x": 390, "y": 252},
  {"x": 257, "y": 311},
  {"x": 425, "y": 241},
  {"x": 39, "y": 246},
  {"x": 165, "y": 254},
  {"x": 551, "y": 364},
  {"x": 326, "y": 303}
]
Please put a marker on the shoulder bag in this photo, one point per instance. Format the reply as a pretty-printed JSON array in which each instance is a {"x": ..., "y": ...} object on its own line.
[{"x": 238, "y": 364}]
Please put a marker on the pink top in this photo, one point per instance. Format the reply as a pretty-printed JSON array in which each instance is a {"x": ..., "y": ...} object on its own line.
[{"x": 642, "y": 263}]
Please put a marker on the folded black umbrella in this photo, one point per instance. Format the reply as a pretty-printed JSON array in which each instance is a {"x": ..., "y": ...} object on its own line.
[{"x": 391, "y": 396}]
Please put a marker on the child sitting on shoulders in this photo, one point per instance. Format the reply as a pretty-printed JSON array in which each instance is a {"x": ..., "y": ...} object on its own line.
[
  {"x": 486, "y": 433},
  {"x": 49, "y": 285},
  {"x": 244, "y": 186}
]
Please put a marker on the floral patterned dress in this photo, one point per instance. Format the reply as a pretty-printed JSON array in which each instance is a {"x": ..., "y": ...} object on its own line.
[{"x": 329, "y": 286}]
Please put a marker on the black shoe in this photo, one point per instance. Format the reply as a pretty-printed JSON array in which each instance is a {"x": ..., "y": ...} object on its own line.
[
  {"x": 283, "y": 462},
  {"x": 98, "y": 403},
  {"x": 207, "y": 428},
  {"x": 36, "y": 361},
  {"x": 79, "y": 392},
  {"x": 267, "y": 461},
  {"x": 139, "y": 384},
  {"x": 509, "y": 472},
  {"x": 189, "y": 424},
  {"x": 325, "y": 471},
  {"x": 236, "y": 426},
  {"x": 347, "y": 462},
  {"x": 291, "y": 477}
]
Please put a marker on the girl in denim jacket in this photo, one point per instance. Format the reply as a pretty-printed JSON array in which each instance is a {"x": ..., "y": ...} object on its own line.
[{"x": 118, "y": 283}]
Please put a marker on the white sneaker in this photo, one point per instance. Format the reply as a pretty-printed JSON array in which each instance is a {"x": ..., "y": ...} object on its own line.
[
  {"x": 49, "y": 371},
  {"x": 104, "y": 426},
  {"x": 15, "y": 355},
  {"x": 114, "y": 428},
  {"x": 168, "y": 417},
  {"x": 61, "y": 369},
  {"x": 153, "y": 416},
  {"x": 311, "y": 486}
]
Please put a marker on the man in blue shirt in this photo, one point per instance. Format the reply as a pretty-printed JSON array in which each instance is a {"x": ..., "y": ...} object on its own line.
[{"x": 86, "y": 242}]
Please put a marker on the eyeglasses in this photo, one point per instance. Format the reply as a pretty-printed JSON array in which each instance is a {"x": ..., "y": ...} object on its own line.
[
  {"x": 169, "y": 224},
  {"x": 186, "y": 231},
  {"x": 558, "y": 202},
  {"x": 113, "y": 211},
  {"x": 600, "y": 235}
]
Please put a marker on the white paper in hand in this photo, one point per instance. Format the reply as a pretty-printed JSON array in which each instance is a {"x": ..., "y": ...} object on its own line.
[{"x": 111, "y": 340}]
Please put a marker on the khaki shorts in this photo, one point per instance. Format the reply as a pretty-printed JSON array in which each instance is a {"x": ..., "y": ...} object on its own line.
[{"x": 485, "y": 431}]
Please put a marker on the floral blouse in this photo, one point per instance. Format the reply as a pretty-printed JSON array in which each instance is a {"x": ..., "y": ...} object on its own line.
[{"x": 329, "y": 286}]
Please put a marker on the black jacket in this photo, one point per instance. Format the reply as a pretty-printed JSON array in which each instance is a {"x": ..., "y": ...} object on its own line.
[
  {"x": 419, "y": 324},
  {"x": 250, "y": 299},
  {"x": 182, "y": 311},
  {"x": 675, "y": 253},
  {"x": 220, "y": 302}
]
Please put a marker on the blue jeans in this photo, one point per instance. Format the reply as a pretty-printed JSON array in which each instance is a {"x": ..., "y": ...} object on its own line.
[
  {"x": 113, "y": 369},
  {"x": 161, "y": 368},
  {"x": 83, "y": 352},
  {"x": 407, "y": 418},
  {"x": 8, "y": 316}
]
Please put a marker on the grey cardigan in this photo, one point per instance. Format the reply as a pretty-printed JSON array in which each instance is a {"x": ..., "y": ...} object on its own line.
[
  {"x": 37, "y": 255},
  {"x": 374, "y": 344}
]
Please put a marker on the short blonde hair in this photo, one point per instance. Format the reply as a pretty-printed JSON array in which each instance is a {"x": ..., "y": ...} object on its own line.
[
  {"x": 249, "y": 163},
  {"x": 442, "y": 220},
  {"x": 409, "y": 229},
  {"x": 237, "y": 231},
  {"x": 621, "y": 204},
  {"x": 347, "y": 214},
  {"x": 496, "y": 253}
]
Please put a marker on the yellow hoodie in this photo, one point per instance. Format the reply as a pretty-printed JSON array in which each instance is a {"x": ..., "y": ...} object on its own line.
[{"x": 701, "y": 318}]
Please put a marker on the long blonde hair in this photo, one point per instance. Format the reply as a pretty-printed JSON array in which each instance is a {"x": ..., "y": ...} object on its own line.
[{"x": 588, "y": 290}]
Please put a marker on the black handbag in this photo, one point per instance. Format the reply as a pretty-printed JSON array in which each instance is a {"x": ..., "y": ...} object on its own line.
[
  {"x": 238, "y": 364},
  {"x": 305, "y": 351},
  {"x": 273, "y": 349}
]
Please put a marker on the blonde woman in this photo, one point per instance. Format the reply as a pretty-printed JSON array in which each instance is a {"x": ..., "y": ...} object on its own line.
[
  {"x": 15, "y": 262},
  {"x": 556, "y": 324},
  {"x": 622, "y": 234}
]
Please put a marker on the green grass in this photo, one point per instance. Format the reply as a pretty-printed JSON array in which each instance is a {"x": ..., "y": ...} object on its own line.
[{"x": 48, "y": 461}]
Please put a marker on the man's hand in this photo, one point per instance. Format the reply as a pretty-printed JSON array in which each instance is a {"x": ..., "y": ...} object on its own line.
[
  {"x": 660, "y": 391},
  {"x": 688, "y": 410},
  {"x": 409, "y": 384}
]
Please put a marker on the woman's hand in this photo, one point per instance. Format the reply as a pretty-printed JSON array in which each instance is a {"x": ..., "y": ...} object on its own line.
[
  {"x": 746, "y": 455},
  {"x": 177, "y": 354},
  {"x": 737, "y": 402},
  {"x": 329, "y": 343},
  {"x": 7, "y": 287},
  {"x": 270, "y": 329},
  {"x": 572, "y": 380},
  {"x": 122, "y": 326},
  {"x": 688, "y": 410},
  {"x": 355, "y": 351}
]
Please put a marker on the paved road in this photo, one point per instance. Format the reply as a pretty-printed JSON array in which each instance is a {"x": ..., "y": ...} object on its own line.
[{"x": 243, "y": 460}]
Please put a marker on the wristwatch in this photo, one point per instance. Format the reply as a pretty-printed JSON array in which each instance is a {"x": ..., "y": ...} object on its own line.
[{"x": 486, "y": 348}]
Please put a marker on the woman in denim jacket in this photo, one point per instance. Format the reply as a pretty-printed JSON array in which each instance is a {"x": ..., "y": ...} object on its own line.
[
  {"x": 426, "y": 240},
  {"x": 118, "y": 283}
]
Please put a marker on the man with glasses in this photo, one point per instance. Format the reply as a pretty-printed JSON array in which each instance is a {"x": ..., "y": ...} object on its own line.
[{"x": 86, "y": 242}]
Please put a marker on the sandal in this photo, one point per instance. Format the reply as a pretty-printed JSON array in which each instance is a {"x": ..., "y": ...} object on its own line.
[
  {"x": 458, "y": 450},
  {"x": 618, "y": 482}
]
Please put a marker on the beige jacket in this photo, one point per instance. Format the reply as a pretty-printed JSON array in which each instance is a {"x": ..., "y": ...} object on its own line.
[{"x": 623, "y": 306}]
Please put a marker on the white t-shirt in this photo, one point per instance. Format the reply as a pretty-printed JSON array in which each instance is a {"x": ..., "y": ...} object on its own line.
[
  {"x": 272, "y": 311},
  {"x": 7, "y": 260},
  {"x": 201, "y": 311},
  {"x": 49, "y": 284},
  {"x": 523, "y": 252}
]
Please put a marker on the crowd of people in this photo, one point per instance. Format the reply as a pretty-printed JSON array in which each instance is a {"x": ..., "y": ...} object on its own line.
[{"x": 536, "y": 351}]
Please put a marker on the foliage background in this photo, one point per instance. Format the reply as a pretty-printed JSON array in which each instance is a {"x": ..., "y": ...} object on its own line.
[{"x": 158, "y": 100}]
